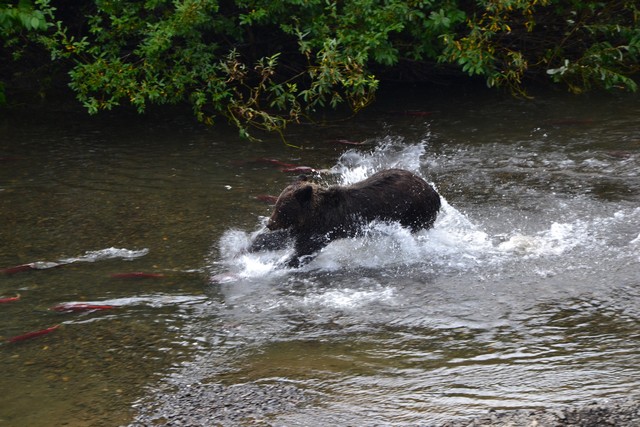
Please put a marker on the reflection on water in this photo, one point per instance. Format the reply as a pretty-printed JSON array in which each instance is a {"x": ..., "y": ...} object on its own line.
[{"x": 525, "y": 293}]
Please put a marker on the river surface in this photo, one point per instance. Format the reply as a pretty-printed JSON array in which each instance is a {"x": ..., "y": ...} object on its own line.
[{"x": 526, "y": 293}]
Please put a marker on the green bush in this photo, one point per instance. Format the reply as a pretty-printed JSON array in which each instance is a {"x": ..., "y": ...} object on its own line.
[
  {"x": 23, "y": 16},
  {"x": 19, "y": 21},
  {"x": 265, "y": 64},
  {"x": 583, "y": 44}
]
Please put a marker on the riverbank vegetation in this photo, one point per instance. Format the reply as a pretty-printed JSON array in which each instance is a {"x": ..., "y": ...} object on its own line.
[{"x": 264, "y": 64}]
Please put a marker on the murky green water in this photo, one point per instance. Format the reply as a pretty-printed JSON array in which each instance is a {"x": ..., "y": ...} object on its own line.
[{"x": 526, "y": 292}]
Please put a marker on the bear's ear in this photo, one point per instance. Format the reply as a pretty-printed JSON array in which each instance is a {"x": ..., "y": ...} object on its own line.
[{"x": 304, "y": 194}]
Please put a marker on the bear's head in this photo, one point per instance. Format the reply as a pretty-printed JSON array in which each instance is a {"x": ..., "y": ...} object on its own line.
[{"x": 294, "y": 206}]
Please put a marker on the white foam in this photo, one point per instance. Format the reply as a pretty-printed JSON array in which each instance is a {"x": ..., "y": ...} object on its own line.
[
  {"x": 354, "y": 166},
  {"x": 555, "y": 241},
  {"x": 252, "y": 265},
  {"x": 151, "y": 300},
  {"x": 108, "y": 253},
  {"x": 380, "y": 244},
  {"x": 348, "y": 298},
  {"x": 233, "y": 247},
  {"x": 233, "y": 242}
]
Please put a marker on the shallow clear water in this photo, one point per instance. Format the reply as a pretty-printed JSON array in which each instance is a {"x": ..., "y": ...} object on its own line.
[{"x": 525, "y": 293}]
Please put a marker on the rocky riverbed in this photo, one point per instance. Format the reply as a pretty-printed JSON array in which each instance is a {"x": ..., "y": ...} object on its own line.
[
  {"x": 219, "y": 405},
  {"x": 263, "y": 404},
  {"x": 618, "y": 413}
]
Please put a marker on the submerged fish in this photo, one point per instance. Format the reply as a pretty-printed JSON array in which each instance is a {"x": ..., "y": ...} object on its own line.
[
  {"x": 9, "y": 299},
  {"x": 76, "y": 307},
  {"x": 17, "y": 269},
  {"x": 38, "y": 265},
  {"x": 33, "y": 334}
]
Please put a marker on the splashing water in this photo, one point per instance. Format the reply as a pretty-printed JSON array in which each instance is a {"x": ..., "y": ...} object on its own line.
[
  {"x": 108, "y": 253},
  {"x": 354, "y": 166},
  {"x": 455, "y": 243}
]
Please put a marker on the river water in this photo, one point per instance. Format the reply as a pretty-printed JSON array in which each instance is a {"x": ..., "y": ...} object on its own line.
[{"x": 526, "y": 293}]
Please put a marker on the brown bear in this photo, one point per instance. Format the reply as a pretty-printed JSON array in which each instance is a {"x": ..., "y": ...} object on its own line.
[{"x": 314, "y": 216}]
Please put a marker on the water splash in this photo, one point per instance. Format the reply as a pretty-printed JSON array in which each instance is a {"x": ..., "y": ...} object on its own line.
[
  {"x": 108, "y": 253},
  {"x": 238, "y": 263},
  {"x": 348, "y": 299},
  {"x": 90, "y": 256},
  {"x": 555, "y": 241},
  {"x": 354, "y": 166},
  {"x": 455, "y": 244}
]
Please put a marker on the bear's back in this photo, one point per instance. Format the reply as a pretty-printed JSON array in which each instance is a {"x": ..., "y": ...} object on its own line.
[{"x": 389, "y": 195}]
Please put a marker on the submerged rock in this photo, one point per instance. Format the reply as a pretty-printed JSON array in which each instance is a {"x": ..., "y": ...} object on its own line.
[
  {"x": 614, "y": 413},
  {"x": 252, "y": 404},
  {"x": 217, "y": 404}
]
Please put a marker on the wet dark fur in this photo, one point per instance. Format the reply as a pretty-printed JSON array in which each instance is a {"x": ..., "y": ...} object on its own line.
[
  {"x": 271, "y": 241},
  {"x": 314, "y": 216}
]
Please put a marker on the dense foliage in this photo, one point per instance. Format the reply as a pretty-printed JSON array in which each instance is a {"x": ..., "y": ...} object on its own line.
[{"x": 267, "y": 63}]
